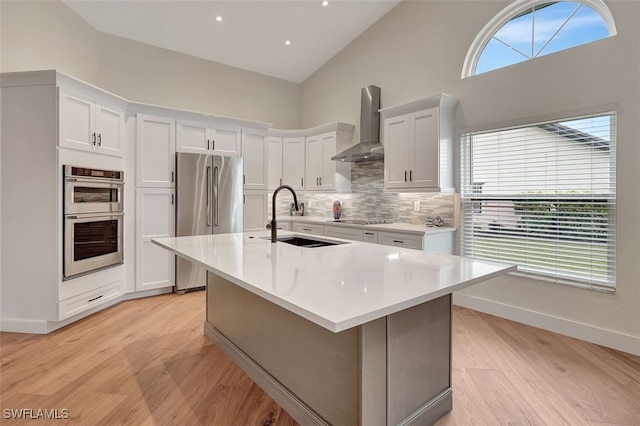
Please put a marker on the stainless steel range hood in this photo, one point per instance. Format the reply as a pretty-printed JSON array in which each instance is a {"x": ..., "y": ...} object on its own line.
[{"x": 369, "y": 148}]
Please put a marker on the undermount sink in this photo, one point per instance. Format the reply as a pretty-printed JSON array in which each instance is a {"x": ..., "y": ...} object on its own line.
[{"x": 307, "y": 242}]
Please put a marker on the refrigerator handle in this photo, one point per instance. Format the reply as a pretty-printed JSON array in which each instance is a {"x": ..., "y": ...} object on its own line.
[
  {"x": 216, "y": 172},
  {"x": 208, "y": 191}
]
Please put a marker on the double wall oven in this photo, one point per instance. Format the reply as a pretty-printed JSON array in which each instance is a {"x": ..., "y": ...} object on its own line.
[{"x": 93, "y": 220}]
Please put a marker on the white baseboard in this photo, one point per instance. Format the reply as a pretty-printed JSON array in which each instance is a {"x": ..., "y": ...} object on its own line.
[
  {"x": 589, "y": 333},
  {"x": 23, "y": 325}
]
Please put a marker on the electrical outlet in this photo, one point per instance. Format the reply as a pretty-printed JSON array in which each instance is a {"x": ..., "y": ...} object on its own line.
[{"x": 416, "y": 206}]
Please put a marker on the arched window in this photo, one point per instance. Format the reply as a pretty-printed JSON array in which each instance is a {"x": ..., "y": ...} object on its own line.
[{"x": 527, "y": 29}]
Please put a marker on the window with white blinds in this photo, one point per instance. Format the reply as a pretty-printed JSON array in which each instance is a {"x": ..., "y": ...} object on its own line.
[{"x": 543, "y": 196}]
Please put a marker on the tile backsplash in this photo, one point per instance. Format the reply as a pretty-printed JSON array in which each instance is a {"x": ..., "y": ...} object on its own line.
[{"x": 369, "y": 201}]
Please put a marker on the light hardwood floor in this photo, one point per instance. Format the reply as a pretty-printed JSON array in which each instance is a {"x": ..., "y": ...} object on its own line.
[{"x": 147, "y": 362}]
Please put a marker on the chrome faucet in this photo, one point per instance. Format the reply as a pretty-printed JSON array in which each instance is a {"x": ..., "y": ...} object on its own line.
[{"x": 273, "y": 224}]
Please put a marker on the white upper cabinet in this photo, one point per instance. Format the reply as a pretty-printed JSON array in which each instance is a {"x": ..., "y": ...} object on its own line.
[
  {"x": 321, "y": 169},
  {"x": 314, "y": 162},
  {"x": 193, "y": 136},
  {"x": 208, "y": 137},
  {"x": 293, "y": 159},
  {"x": 254, "y": 147},
  {"x": 226, "y": 140},
  {"x": 88, "y": 125},
  {"x": 274, "y": 162},
  {"x": 418, "y": 144},
  {"x": 322, "y": 173},
  {"x": 155, "y": 151}
]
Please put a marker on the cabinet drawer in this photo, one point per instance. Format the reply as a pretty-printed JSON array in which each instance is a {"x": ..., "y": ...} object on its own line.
[
  {"x": 344, "y": 233},
  {"x": 309, "y": 229},
  {"x": 75, "y": 305},
  {"x": 400, "y": 240},
  {"x": 370, "y": 237}
]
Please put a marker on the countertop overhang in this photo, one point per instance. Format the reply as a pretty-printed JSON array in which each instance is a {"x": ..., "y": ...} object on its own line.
[{"x": 337, "y": 287}]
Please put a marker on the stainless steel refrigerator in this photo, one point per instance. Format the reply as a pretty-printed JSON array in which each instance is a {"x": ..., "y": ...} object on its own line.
[{"x": 209, "y": 201}]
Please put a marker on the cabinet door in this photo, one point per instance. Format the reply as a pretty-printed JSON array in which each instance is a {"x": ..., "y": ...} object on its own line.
[
  {"x": 328, "y": 173},
  {"x": 226, "y": 140},
  {"x": 155, "y": 153},
  {"x": 155, "y": 218},
  {"x": 254, "y": 146},
  {"x": 293, "y": 162},
  {"x": 424, "y": 155},
  {"x": 396, "y": 157},
  {"x": 255, "y": 210},
  {"x": 193, "y": 137},
  {"x": 77, "y": 122},
  {"x": 313, "y": 163},
  {"x": 111, "y": 130},
  {"x": 274, "y": 162}
]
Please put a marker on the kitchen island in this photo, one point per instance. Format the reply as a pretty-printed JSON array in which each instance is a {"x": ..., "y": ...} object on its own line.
[{"x": 346, "y": 334}]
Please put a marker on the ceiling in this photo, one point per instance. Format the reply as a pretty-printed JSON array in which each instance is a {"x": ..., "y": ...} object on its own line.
[{"x": 251, "y": 34}]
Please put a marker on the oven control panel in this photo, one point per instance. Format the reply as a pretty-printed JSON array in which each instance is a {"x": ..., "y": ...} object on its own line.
[{"x": 93, "y": 173}]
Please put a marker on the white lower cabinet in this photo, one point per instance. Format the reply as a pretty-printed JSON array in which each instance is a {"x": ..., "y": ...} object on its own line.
[
  {"x": 344, "y": 233},
  {"x": 438, "y": 242},
  {"x": 155, "y": 218},
  {"x": 75, "y": 305},
  {"x": 370, "y": 237},
  {"x": 400, "y": 240},
  {"x": 255, "y": 210},
  {"x": 308, "y": 228}
]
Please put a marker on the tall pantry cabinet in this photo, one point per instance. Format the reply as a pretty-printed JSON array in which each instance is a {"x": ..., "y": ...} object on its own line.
[{"x": 155, "y": 137}]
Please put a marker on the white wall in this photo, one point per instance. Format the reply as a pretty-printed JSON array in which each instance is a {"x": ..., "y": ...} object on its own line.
[
  {"x": 36, "y": 35},
  {"x": 418, "y": 49},
  {"x": 162, "y": 77}
]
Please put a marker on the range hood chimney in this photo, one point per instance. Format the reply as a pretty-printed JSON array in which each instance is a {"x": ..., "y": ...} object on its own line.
[{"x": 369, "y": 148}]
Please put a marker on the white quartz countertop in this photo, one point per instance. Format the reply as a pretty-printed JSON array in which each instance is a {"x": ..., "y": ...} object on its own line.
[
  {"x": 336, "y": 287},
  {"x": 405, "y": 228}
]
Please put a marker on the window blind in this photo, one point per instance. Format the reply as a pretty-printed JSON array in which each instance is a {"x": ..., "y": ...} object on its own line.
[{"x": 543, "y": 196}]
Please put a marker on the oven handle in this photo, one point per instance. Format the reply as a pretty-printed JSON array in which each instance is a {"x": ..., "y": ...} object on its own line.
[
  {"x": 96, "y": 180},
  {"x": 93, "y": 215}
]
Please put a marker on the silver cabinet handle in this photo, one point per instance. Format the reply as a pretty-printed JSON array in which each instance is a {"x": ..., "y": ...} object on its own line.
[
  {"x": 301, "y": 181},
  {"x": 93, "y": 138},
  {"x": 398, "y": 241},
  {"x": 405, "y": 175},
  {"x": 320, "y": 178},
  {"x": 95, "y": 298},
  {"x": 99, "y": 139},
  {"x": 410, "y": 175}
]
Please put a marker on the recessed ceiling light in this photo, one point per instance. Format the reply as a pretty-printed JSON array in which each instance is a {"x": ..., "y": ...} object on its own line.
[
  {"x": 288, "y": 42},
  {"x": 325, "y": 3},
  {"x": 219, "y": 18}
]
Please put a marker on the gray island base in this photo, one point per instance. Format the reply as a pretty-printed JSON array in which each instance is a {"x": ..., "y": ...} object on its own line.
[{"x": 394, "y": 370}]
